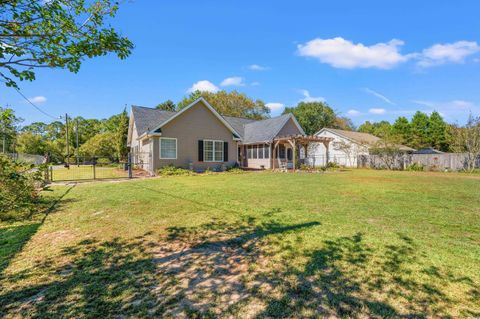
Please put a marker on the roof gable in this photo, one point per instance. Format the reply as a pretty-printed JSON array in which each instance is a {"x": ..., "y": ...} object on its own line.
[
  {"x": 205, "y": 103},
  {"x": 146, "y": 118}
]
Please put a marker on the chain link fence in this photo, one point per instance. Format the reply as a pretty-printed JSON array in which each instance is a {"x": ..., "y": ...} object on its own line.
[{"x": 98, "y": 168}]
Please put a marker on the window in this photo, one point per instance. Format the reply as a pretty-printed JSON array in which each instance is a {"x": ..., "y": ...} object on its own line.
[
  {"x": 260, "y": 151},
  {"x": 254, "y": 151},
  {"x": 266, "y": 151},
  {"x": 168, "y": 148},
  {"x": 212, "y": 151},
  {"x": 249, "y": 151}
]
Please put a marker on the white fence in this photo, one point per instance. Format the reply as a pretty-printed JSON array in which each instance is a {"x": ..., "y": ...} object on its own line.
[{"x": 445, "y": 161}]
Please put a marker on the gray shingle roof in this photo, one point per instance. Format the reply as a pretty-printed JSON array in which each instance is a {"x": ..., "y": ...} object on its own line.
[
  {"x": 251, "y": 131},
  {"x": 264, "y": 130},
  {"x": 238, "y": 124},
  {"x": 147, "y": 118}
]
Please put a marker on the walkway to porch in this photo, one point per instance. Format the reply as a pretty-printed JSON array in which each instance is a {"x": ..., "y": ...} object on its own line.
[{"x": 295, "y": 142}]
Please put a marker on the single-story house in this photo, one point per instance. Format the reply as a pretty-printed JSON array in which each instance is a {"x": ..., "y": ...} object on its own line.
[
  {"x": 199, "y": 138},
  {"x": 345, "y": 147}
]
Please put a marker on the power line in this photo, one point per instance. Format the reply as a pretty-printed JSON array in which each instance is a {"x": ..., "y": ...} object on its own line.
[{"x": 38, "y": 109}]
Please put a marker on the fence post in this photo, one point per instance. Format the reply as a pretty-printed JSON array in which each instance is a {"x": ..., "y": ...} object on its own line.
[{"x": 129, "y": 165}]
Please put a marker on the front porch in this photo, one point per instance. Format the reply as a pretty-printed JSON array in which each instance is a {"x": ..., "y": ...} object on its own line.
[
  {"x": 286, "y": 150},
  {"x": 282, "y": 153}
]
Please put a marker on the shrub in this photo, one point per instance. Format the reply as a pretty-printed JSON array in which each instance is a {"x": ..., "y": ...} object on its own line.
[
  {"x": 171, "y": 170},
  {"x": 417, "y": 167},
  {"x": 332, "y": 165},
  {"x": 235, "y": 170},
  {"x": 19, "y": 192}
]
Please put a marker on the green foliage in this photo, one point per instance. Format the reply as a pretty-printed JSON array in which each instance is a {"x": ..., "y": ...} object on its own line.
[
  {"x": 437, "y": 131},
  {"x": 380, "y": 129},
  {"x": 171, "y": 170},
  {"x": 30, "y": 143},
  {"x": 401, "y": 129},
  {"x": 55, "y": 34},
  {"x": 121, "y": 135},
  {"x": 168, "y": 105},
  {"x": 102, "y": 144},
  {"x": 8, "y": 128},
  {"x": 230, "y": 104},
  {"x": 422, "y": 131},
  {"x": 419, "y": 130},
  {"x": 18, "y": 194},
  {"x": 234, "y": 170},
  {"x": 416, "y": 167},
  {"x": 313, "y": 116}
]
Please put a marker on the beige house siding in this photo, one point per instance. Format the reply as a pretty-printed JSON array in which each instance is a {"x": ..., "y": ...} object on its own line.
[
  {"x": 290, "y": 128},
  {"x": 196, "y": 123}
]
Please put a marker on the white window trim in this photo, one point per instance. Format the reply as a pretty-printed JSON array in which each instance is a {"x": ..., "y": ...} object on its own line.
[
  {"x": 160, "y": 148},
  {"x": 213, "y": 150}
]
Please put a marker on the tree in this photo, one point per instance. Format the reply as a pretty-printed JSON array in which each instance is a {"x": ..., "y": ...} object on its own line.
[
  {"x": 30, "y": 143},
  {"x": 401, "y": 129},
  {"x": 230, "y": 104},
  {"x": 437, "y": 132},
  {"x": 419, "y": 130},
  {"x": 346, "y": 148},
  {"x": 467, "y": 140},
  {"x": 8, "y": 129},
  {"x": 55, "y": 34},
  {"x": 344, "y": 123},
  {"x": 380, "y": 129},
  {"x": 313, "y": 116},
  {"x": 121, "y": 135},
  {"x": 168, "y": 105},
  {"x": 100, "y": 145}
]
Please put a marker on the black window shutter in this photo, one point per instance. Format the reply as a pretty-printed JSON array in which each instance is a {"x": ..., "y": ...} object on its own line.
[
  {"x": 225, "y": 151},
  {"x": 200, "y": 150}
]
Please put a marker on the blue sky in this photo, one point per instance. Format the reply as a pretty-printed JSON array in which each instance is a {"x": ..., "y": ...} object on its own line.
[{"x": 370, "y": 60}]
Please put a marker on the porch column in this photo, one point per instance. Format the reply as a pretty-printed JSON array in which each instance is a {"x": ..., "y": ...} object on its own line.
[{"x": 326, "y": 152}]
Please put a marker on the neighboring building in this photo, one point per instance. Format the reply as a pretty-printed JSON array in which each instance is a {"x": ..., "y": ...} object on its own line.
[
  {"x": 428, "y": 150},
  {"x": 199, "y": 138},
  {"x": 345, "y": 147}
]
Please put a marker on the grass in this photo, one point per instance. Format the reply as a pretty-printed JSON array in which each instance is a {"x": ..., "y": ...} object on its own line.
[
  {"x": 86, "y": 172},
  {"x": 358, "y": 243}
]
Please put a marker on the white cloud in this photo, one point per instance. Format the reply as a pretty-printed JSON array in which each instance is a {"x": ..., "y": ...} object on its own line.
[
  {"x": 447, "y": 53},
  {"x": 309, "y": 98},
  {"x": 38, "y": 99},
  {"x": 255, "y": 83},
  {"x": 256, "y": 67},
  {"x": 354, "y": 112},
  {"x": 377, "y": 111},
  {"x": 204, "y": 86},
  {"x": 341, "y": 53},
  {"x": 275, "y": 106},
  {"x": 380, "y": 96},
  {"x": 233, "y": 81}
]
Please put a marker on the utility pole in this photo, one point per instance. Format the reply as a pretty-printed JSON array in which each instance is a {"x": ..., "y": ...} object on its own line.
[
  {"x": 66, "y": 137},
  {"x": 76, "y": 133}
]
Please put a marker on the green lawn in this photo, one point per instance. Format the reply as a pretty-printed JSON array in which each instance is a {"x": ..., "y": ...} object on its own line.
[
  {"x": 86, "y": 172},
  {"x": 341, "y": 244}
]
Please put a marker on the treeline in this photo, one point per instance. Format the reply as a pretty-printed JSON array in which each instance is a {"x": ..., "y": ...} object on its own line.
[
  {"x": 420, "y": 132},
  {"x": 105, "y": 137}
]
